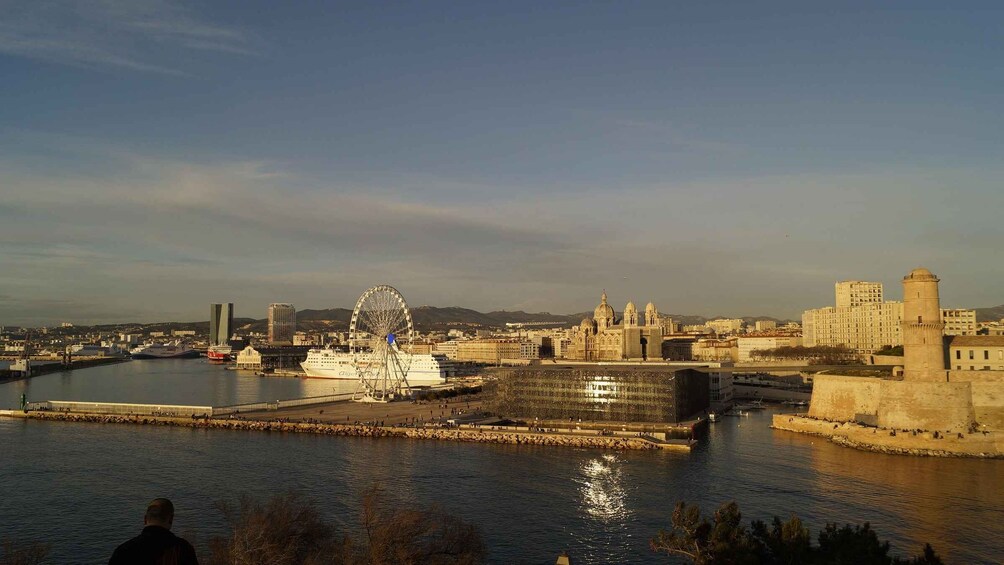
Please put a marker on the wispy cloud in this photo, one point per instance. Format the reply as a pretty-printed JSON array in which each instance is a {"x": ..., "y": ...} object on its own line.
[
  {"x": 188, "y": 232},
  {"x": 138, "y": 35}
]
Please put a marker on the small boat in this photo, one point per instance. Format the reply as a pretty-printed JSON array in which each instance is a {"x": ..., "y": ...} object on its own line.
[{"x": 713, "y": 416}]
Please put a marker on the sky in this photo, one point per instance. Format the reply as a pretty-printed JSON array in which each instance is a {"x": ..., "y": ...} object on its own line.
[{"x": 715, "y": 158}]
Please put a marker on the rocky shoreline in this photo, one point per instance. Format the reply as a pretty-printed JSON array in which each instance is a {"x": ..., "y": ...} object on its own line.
[
  {"x": 477, "y": 435},
  {"x": 865, "y": 438}
]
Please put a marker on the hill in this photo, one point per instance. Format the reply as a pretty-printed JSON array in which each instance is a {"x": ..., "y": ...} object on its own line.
[{"x": 992, "y": 314}]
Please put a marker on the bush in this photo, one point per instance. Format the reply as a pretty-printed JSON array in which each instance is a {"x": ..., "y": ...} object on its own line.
[
  {"x": 289, "y": 529},
  {"x": 726, "y": 540},
  {"x": 15, "y": 553}
]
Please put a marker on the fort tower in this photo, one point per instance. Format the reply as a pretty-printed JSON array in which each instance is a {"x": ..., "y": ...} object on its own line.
[{"x": 923, "y": 330}]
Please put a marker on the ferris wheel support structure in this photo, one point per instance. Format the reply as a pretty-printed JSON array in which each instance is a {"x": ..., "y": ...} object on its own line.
[{"x": 380, "y": 340}]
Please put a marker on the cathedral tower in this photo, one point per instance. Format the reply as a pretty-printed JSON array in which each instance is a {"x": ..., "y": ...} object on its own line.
[
  {"x": 923, "y": 330},
  {"x": 651, "y": 315},
  {"x": 630, "y": 315}
]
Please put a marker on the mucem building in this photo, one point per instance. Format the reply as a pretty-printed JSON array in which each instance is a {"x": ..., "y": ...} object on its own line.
[{"x": 595, "y": 392}]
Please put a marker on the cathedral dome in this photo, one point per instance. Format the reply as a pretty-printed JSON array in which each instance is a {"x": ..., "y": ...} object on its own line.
[
  {"x": 650, "y": 307},
  {"x": 630, "y": 307},
  {"x": 604, "y": 310}
]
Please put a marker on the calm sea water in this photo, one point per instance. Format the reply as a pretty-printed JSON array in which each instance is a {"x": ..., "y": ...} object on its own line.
[{"x": 83, "y": 487}]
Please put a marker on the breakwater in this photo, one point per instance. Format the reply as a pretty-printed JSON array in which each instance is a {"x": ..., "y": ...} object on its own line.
[
  {"x": 39, "y": 368},
  {"x": 989, "y": 445},
  {"x": 477, "y": 435}
]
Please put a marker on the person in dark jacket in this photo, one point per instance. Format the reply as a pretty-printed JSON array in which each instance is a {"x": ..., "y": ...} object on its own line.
[{"x": 156, "y": 545}]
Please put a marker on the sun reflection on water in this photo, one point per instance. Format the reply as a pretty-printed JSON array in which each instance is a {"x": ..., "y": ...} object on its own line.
[{"x": 601, "y": 489}]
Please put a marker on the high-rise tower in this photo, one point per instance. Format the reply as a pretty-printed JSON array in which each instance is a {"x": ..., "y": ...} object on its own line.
[
  {"x": 923, "y": 330},
  {"x": 281, "y": 324},
  {"x": 221, "y": 323}
]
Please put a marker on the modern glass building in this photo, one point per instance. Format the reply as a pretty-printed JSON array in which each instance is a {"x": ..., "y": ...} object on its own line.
[
  {"x": 221, "y": 323},
  {"x": 598, "y": 392},
  {"x": 281, "y": 324}
]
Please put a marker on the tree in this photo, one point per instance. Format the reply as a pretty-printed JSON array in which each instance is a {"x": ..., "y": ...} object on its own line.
[
  {"x": 413, "y": 536},
  {"x": 726, "y": 541},
  {"x": 289, "y": 529}
]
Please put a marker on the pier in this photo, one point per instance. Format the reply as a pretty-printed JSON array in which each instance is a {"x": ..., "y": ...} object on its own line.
[
  {"x": 456, "y": 419},
  {"x": 39, "y": 367}
]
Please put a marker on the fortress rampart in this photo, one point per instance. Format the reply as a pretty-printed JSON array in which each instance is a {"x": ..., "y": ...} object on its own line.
[{"x": 930, "y": 402}]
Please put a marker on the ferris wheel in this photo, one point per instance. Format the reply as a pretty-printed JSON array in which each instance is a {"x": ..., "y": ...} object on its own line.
[{"x": 380, "y": 336}]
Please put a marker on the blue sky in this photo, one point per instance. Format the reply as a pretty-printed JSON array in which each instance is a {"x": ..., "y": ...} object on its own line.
[{"x": 719, "y": 158}]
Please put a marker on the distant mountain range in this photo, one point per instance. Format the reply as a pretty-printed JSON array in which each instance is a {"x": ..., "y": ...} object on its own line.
[
  {"x": 993, "y": 314},
  {"x": 427, "y": 318}
]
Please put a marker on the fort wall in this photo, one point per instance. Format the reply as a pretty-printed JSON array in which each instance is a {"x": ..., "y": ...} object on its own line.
[
  {"x": 988, "y": 396},
  {"x": 926, "y": 406},
  {"x": 845, "y": 399}
]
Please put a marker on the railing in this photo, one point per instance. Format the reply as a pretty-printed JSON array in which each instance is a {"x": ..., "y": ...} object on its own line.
[
  {"x": 249, "y": 407},
  {"x": 314, "y": 400}
]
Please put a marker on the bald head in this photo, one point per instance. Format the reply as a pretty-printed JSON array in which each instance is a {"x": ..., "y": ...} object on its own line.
[{"x": 160, "y": 512}]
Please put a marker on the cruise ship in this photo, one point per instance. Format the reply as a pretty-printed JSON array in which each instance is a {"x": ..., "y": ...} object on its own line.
[
  {"x": 174, "y": 350},
  {"x": 425, "y": 369}
]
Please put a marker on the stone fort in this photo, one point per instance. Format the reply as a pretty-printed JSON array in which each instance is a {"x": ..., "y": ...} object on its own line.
[{"x": 928, "y": 396}]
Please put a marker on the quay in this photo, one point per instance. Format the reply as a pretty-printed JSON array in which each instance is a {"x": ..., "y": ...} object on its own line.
[
  {"x": 41, "y": 368},
  {"x": 452, "y": 420}
]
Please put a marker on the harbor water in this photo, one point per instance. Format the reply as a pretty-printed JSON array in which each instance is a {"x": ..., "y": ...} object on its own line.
[{"x": 82, "y": 487}]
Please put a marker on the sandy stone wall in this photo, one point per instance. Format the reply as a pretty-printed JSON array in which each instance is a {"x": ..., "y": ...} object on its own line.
[
  {"x": 926, "y": 406},
  {"x": 844, "y": 399},
  {"x": 988, "y": 396}
]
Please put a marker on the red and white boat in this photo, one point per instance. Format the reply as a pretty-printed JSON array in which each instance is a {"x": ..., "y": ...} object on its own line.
[{"x": 219, "y": 352}]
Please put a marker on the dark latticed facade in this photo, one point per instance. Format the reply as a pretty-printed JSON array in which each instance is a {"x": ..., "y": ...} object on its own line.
[{"x": 612, "y": 393}]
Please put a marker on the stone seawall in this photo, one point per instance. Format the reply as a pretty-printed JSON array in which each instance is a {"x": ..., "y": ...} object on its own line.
[
  {"x": 478, "y": 435},
  {"x": 899, "y": 442}
]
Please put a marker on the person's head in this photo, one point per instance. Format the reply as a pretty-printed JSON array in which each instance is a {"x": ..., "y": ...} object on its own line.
[{"x": 160, "y": 512}]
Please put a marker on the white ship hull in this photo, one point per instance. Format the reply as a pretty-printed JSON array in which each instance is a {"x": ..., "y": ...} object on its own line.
[{"x": 425, "y": 370}]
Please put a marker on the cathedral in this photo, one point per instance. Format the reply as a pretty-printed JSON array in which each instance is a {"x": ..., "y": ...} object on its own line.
[{"x": 604, "y": 338}]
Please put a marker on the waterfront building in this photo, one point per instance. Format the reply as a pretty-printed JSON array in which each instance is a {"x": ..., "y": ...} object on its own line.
[
  {"x": 862, "y": 320},
  {"x": 287, "y": 357},
  {"x": 281, "y": 324},
  {"x": 529, "y": 350},
  {"x": 958, "y": 321},
  {"x": 607, "y": 392},
  {"x": 976, "y": 352},
  {"x": 605, "y": 338},
  {"x": 714, "y": 350},
  {"x": 221, "y": 323},
  {"x": 745, "y": 346},
  {"x": 721, "y": 388},
  {"x": 448, "y": 348},
  {"x": 856, "y": 293},
  {"x": 487, "y": 351},
  {"x": 726, "y": 325}
]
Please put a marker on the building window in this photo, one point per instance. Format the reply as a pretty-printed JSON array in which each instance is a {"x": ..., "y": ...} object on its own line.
[
  {"x": 958, "y": 354},
  {"x": 972, "y": 354},
  {"x": 986, "y": 354}
]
